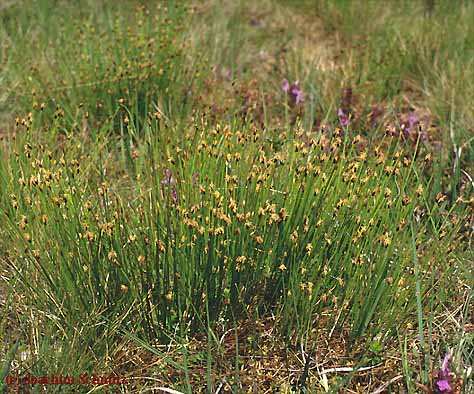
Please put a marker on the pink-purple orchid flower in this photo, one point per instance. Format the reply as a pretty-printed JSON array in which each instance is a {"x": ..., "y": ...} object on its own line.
[
  {"x": 170, "y": 181},
  {"x": 410, "y": 127},
  {"x": 343, "y": 118},
  {"x": 444, "y": 379},
  {"x": 293, "y": 91}
]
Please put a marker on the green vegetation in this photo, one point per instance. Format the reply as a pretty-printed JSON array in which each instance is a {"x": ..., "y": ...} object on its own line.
[{"x": 238, "y": 197}]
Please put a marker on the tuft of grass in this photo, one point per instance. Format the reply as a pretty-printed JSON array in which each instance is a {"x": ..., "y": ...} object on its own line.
[
  {"x": 186, "y": 238},
  {"x": 83, "y": 65},
  {"x": 171, "y": 215}
]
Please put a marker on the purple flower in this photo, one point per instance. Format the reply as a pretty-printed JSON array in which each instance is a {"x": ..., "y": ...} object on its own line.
[
  {"x": 443, "y": 380},
  {"x": 169, "y": 180},
  {"x": 412, "y": 120},
  {"x": 343, "y": 118},
  {"x": 443, "y": 385},
  {"x": 293, "y": 90},
  {"x": 195, "y": 178},
  {"x": 411, "y": 128},
  {"x": 409, "y": 125},
  {"x": 297, "y": 93}
]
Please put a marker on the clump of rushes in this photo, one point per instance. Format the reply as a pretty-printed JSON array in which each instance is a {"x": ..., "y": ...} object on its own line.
[
  {"x": 117, "y": 64},
  {"x": 220, "y": 222}
]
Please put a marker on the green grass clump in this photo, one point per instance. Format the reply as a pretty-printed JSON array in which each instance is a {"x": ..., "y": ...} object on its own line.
[
  {"x": 83, "y": 64},
  {"x": 171, "y": 214},
  {"x": 224, "y": 224}
]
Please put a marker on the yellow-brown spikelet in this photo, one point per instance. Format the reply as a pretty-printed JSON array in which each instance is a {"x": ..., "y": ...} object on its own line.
[
  {"x": 327, "y": 238},
  {"x": 440, "y": 197},
  {"x": 294, "y": 235},
  {"x": 23, "y": 222},
  {"x": 283, "y": 214},
  {"x": 406, "y": 200},
  {"x": 123, "y": 288},
  {"x": 380, "y": 159},
  {"x": 401, "y": 224},
  {"x": 419, "y": 190},
  {"x": 389, "y": 170},
  {"x": 89, "y": 235},
  {"x": 385, "y": 240},
  {"x": 274, "y": 218},
  {"x": 160, "y": 245}
]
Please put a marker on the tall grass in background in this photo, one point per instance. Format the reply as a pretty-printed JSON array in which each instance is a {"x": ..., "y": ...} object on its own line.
[
  {"x": 403, "y": 56},
  {"x": 89, "y": 59}
]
